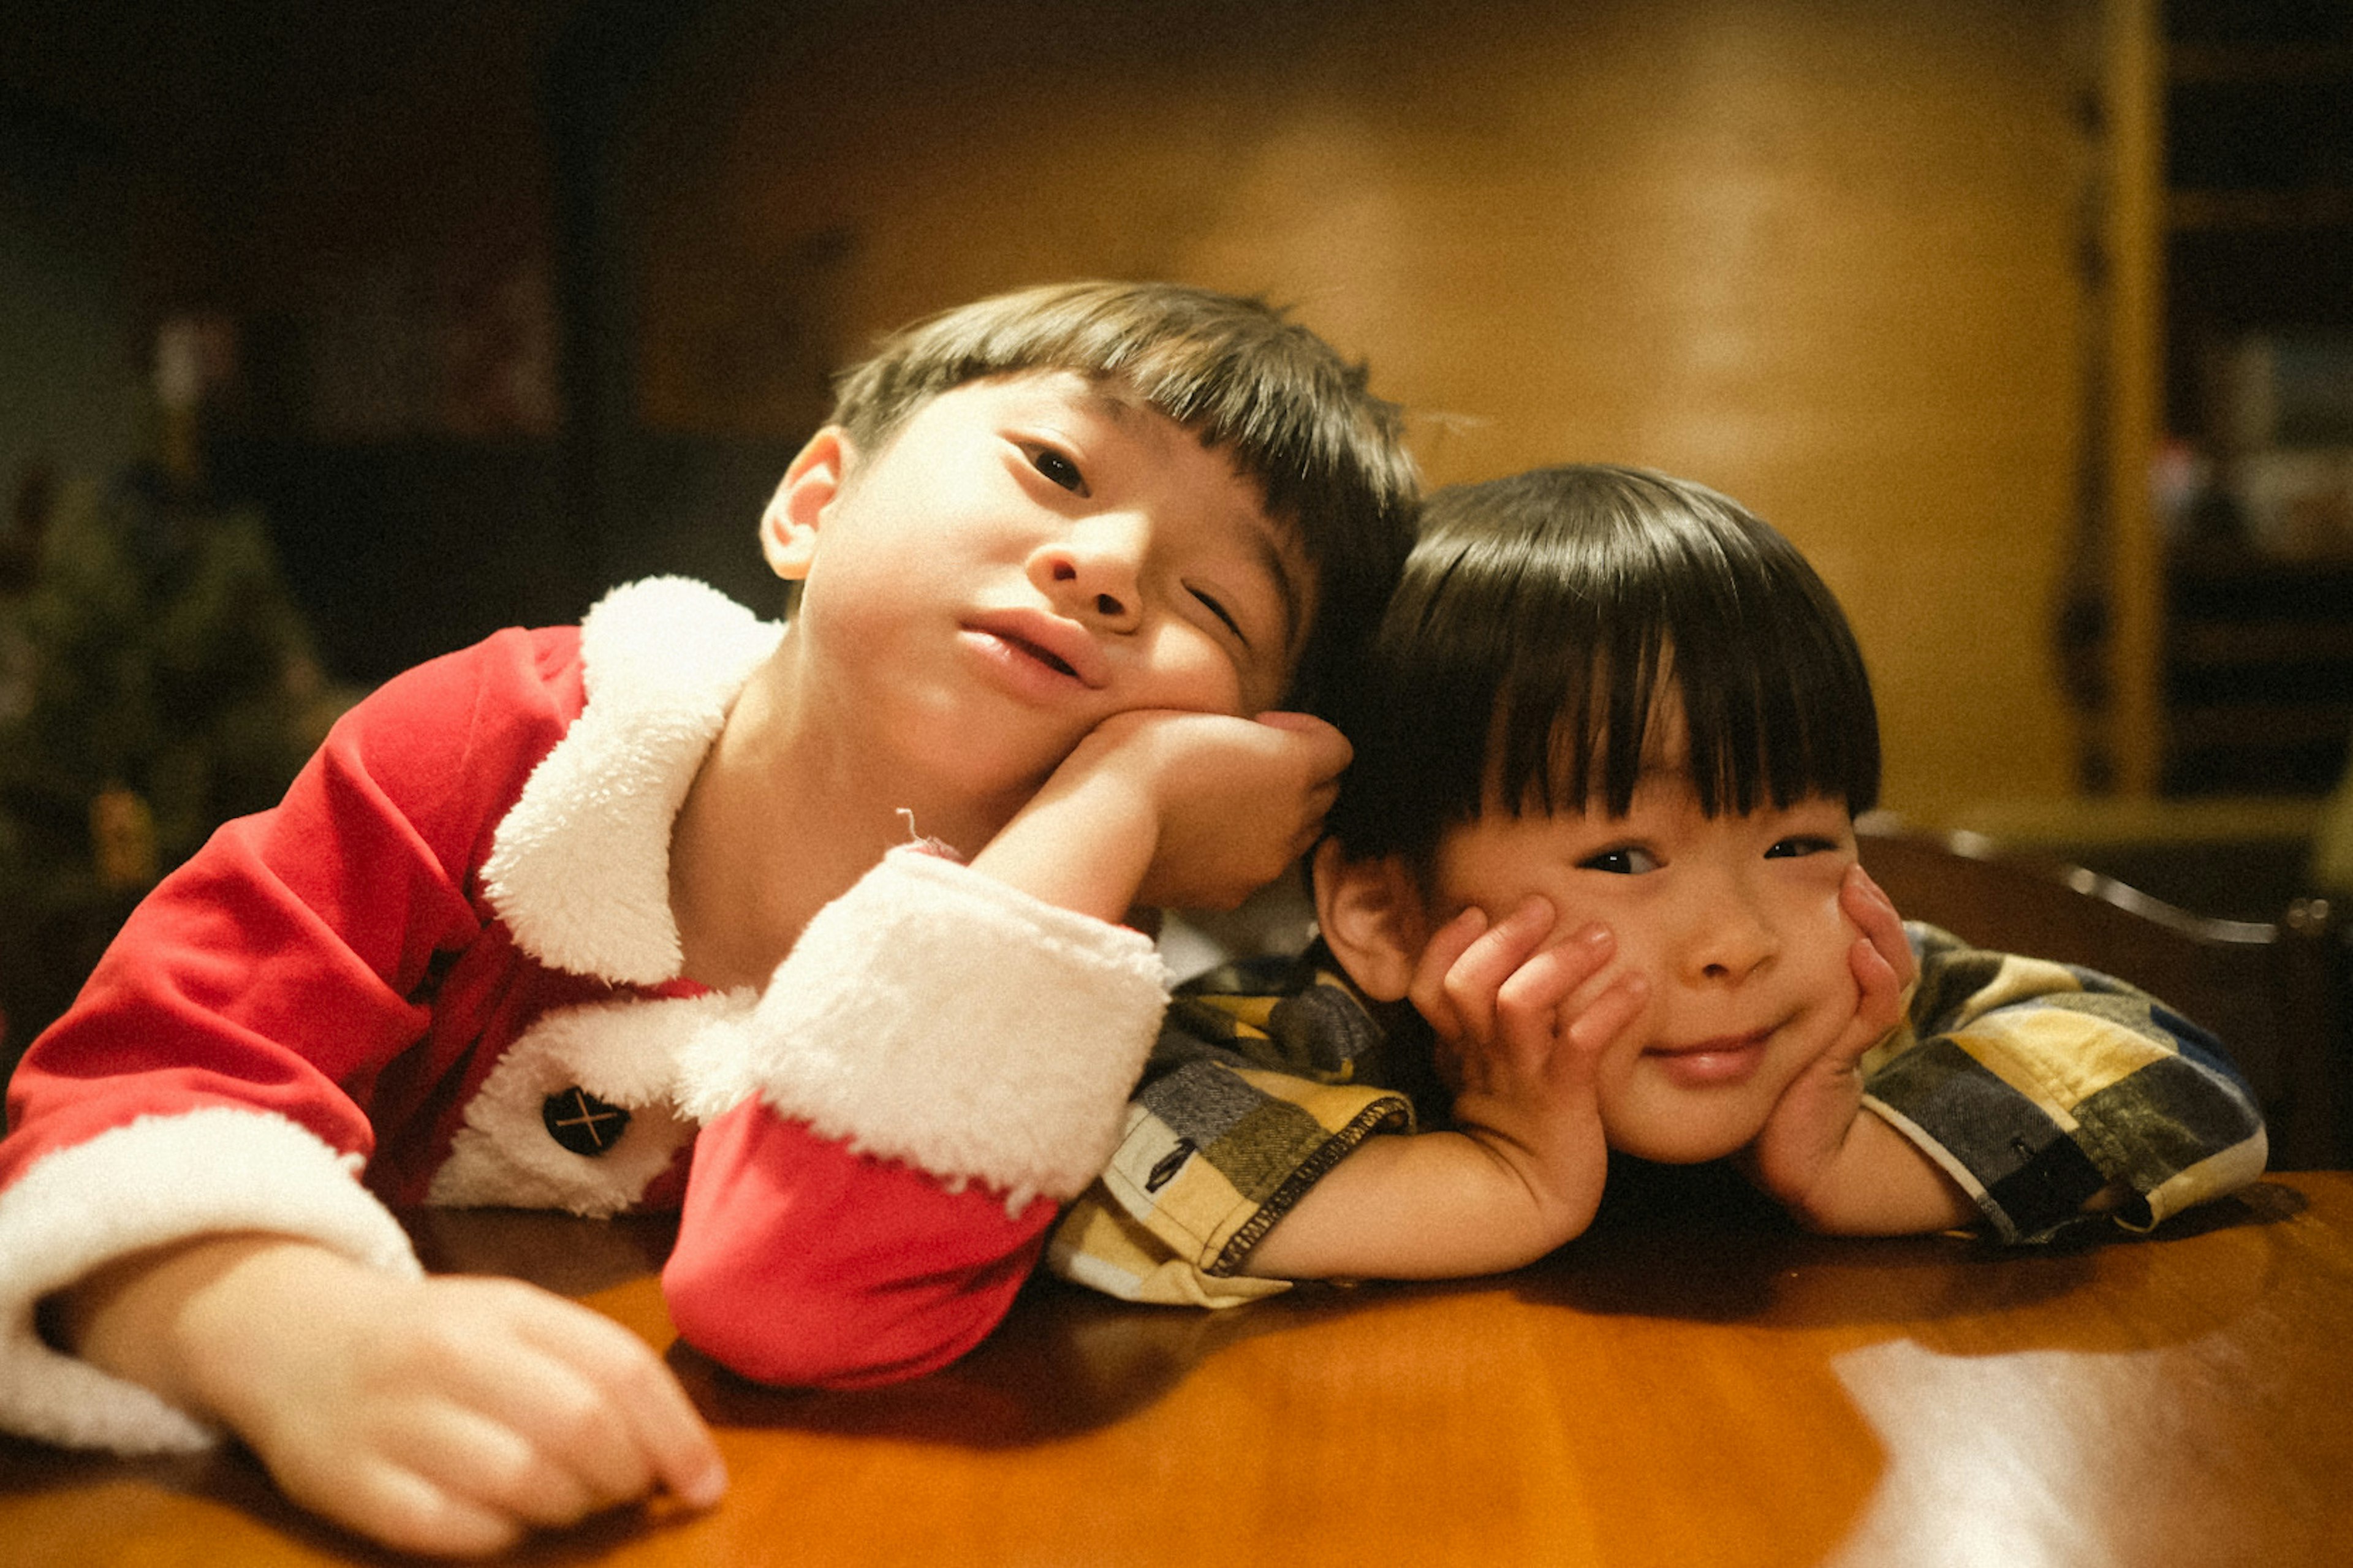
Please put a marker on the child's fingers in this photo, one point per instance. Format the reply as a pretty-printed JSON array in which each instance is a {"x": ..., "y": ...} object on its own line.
[
  {"x": 1874, "y": 914},
  {"x": 1879, "y": 1003},
  {"x": 1528, "y": 1001},
  {"x": 413, "y": 1514},
  {"x": 480, "y": 1459},
  {"x": 1608, "y": 1014},
  {"x": 393, "y": 1502},
  {"x": 646, "y": 1430},
  {"x": 1474, "y": 980},
  {"x": 1426, "y": 988}
]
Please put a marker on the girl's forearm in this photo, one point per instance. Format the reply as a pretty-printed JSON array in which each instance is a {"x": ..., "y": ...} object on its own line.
[
  {"x": 1429, "y": 1205},
  {"x": 1881, "y": 1183}
]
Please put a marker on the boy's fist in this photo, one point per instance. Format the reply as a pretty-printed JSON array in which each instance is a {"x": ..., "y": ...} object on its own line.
[
  {"x": 1240, "y": 800},
  {"x": 1161, "y": 807}
]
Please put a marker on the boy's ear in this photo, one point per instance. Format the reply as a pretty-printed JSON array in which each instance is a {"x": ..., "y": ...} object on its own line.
[
  {"x": 1371, "y": 915},
  {"x": 788, "y": 529}
]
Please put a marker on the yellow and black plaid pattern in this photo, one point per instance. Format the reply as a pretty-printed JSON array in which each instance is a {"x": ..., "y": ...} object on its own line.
[{"x": 2039, "y": 1087}]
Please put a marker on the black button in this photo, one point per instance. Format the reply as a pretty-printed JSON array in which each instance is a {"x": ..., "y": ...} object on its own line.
[
  {"x": 1161, "y": 1175},
  {"x": 582, "y": 1122}
]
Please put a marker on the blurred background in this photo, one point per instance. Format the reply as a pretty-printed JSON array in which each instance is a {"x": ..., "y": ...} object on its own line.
[{"x": 334, "y": 336}]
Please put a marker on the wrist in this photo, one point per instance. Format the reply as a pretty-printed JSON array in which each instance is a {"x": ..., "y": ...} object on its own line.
[
  {"x": 1879, "y": 1182},
  {"x": 172, "y": 1319},
  {"x": 1084, "y": 842}
]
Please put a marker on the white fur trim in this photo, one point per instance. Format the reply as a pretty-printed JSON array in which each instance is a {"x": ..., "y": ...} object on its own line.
[
  {"x": 580, "y": 868},
  {"x": 625, "y": 1052},
  {"x": 936, "y": 1015},
  {"x": 155, "y": 1180}
]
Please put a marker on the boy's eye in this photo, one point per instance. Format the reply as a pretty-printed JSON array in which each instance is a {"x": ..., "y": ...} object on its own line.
[
  {"x": 1211, "y": 603},
  {"x": 1791, "y": 847},
  {"x": 1626, "y": 860},
  {"x": 1060, "y": 470}
]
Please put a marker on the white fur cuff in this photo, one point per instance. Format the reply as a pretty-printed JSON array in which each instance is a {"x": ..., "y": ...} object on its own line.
[
  {"x": 936, "y": 1015},
  {"x": 157, "y": 1180}
]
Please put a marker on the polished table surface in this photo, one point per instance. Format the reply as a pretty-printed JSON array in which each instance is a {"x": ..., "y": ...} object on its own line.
[{"x": 1682, "y": 1386}]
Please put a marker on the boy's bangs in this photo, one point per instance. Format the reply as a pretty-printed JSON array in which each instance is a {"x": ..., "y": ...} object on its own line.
[
  {"x": 1326, "y": 454},
  {"x": 1301, "y": 423}
]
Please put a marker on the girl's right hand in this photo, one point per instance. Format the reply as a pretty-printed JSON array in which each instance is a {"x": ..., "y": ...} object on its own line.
[
  {"x": 1496, "y": 995},
  {"x": 1521, "y": 1053}
]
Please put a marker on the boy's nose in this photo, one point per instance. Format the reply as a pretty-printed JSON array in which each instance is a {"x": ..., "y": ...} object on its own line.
[{"x": 1091, "y": 573}]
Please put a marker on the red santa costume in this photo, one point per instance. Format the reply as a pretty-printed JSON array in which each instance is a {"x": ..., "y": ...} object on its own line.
[{"x": 444, "y": 970}]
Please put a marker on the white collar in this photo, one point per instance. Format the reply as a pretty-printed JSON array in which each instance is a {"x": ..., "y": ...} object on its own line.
[{"x": 580, "y": 868}]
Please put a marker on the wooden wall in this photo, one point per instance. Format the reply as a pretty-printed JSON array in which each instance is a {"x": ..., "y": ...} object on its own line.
[{"x": 1825, "y": 255}]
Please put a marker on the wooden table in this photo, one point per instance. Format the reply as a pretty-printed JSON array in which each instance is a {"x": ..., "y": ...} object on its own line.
[{"x": 1687, "y": 1390}]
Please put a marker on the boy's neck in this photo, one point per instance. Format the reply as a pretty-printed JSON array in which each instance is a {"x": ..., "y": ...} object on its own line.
[{"x": 786, "y": 812}]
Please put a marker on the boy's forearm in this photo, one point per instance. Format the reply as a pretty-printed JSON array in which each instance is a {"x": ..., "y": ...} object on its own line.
[
  {"x": 1083, "y": 844},
  {"x": 147, "y": 1319},
  {"x": 1429, "y": 1205}
]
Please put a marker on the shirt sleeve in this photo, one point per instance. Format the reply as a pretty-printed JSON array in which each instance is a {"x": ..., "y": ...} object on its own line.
[
  {"x": 218, "y": 1071},
  {"x": 2038, "y": 1086},
  {"x": 1254, "y": 1094},
  {"x": 941, "y": 1061}
]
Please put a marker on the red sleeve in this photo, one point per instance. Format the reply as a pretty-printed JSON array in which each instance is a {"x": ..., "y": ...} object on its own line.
[
  {"x": 280, "y": 968},
  {"x": 801, "y": 1263},
  {"x": 935, "y": 1041}
]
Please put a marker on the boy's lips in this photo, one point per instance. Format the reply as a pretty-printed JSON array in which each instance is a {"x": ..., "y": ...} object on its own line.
[{"x": 1048, "y": 641}]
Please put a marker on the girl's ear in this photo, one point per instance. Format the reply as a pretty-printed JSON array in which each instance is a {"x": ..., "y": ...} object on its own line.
[
  {"x": 788, "y": 529},
  {"x": 1371, "y": 915}
]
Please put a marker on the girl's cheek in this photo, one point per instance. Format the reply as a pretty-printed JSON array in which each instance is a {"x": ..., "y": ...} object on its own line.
[{"x": 1622, "y": 963}]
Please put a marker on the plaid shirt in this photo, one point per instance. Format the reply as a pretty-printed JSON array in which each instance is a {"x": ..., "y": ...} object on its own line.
[{"x": 2034, "y": 1085}]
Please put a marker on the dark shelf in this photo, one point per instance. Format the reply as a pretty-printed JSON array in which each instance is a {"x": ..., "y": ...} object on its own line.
[{"x": 2259, "y": 673}]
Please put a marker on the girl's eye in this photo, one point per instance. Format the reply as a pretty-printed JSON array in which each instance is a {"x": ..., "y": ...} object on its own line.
[
  {"x": 1623, "y": 861},
  {"x": 1210, "y": 602},
  {"x": 1060, "y": 470},
  {"x": 1792, "y": 847}
]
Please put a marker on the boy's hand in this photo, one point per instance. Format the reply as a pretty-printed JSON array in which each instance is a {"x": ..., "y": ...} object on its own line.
[
  {"x": 1829, "y": 1162},
  {"x": 1157, "y": 806},
  {"x": 1521, "y": 1049},
  {"x": 1240, "y": 800},
  {"x": 444, "y": 1416}
]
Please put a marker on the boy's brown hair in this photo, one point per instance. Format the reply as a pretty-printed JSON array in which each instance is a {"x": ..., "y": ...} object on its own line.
[{"x": 1328, "y": 458}]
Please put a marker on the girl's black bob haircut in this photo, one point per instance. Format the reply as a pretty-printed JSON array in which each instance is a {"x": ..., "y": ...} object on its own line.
[{"x": 1521, "y": 661}]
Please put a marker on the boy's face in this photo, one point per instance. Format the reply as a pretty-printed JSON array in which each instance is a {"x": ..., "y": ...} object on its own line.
[
  {"x": 1027, "y": 555},
  {"x": 1735, "y": 922}
]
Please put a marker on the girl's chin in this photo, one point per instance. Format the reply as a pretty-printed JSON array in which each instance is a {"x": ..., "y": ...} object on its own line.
[{"x": 1680, "y": 1146}]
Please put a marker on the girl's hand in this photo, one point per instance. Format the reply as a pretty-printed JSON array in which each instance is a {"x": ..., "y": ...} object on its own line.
[
  {"x": 1521, "y": 1054},
  {"x": 1821, "y": 1155}
]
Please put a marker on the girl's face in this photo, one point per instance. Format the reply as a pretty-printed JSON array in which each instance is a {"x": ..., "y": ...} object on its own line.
[{"x": 1734, "y": 920}]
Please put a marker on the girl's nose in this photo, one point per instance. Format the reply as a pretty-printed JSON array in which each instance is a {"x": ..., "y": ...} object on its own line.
[
  {"x": 1730, "y": 940},
  {"x": 1091, "y": 573}
]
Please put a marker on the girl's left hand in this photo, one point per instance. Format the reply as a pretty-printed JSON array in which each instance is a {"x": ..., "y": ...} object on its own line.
[{"x": 1801, "y": 1139}]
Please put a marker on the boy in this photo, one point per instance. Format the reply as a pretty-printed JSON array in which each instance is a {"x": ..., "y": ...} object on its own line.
[
  {"x": 1594, "y": 868},
  {"x": 544, "y": 917}
]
